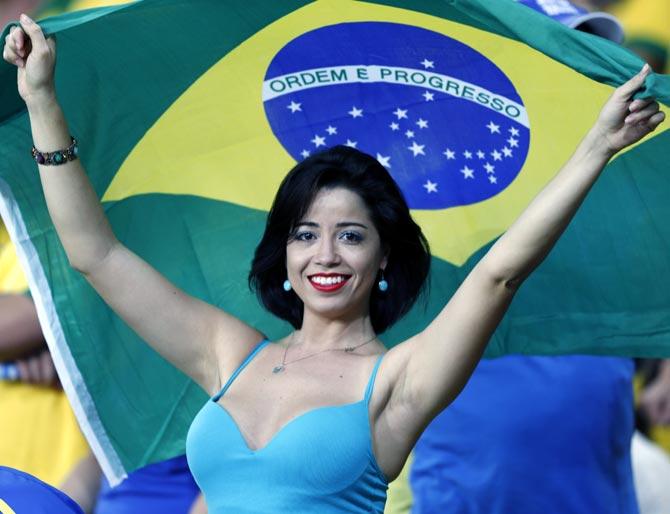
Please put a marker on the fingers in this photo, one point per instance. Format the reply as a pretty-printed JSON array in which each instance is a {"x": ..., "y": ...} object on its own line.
[
  {"x": 24, "y": 40},
  {"x": 29, "y": 370},
  {"x": 37, "y": 369},
  {"x": 34, "y": 32},
  {"x": 643, "y": 113},
  {"x": 629, "y": 88},
  {"x": 47, "y": 370},
  {"x": 637, "y": 105},
  {"x": 16, "y": 47}
]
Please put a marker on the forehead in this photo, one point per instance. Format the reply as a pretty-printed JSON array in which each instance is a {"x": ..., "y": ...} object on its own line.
[{"x": 337, "y": 204}]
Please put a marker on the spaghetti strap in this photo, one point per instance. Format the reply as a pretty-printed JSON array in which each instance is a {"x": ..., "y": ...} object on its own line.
[
  {"x": 371, "y": 382},
  {"x": 246, "y": 361}
]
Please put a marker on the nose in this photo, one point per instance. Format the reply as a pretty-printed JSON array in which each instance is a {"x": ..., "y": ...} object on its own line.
[{"x": 326, "y": 253}]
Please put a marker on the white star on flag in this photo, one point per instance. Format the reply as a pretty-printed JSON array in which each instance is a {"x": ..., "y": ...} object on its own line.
[
  {"x": 467, "y": 154},
  {"x": 490, "y": 168},
  {"x": 468, "y": 172},
  {"x": 409, "y": 133},
  {"x": 331, "y": 130},
  {"x": 428, "y": 96},
  {"x": 400, "y": 113},
  {"x": 350, "y": 143},
  {"x": 507, "y": 152},
  {"x": 356, "y": 112},
  {"x": 497, "y": 156},
  {"x": 480, "y": 154},
  {"x": 428, "y": 64},
  {"x": 493, "y": 179},
  {"x": 305, "y": 154},
  {"x": 513, "y": 131},
  {"x": 394, "y": 126},
  {"x": 449, "y": 154},
  {"x": 318, "y": 140},
  {"x": 495, "y": 129},
  {"x": 416, "y": 149},
  {"x": 384, "y": 160},
  {"x": 294, "y": 106},
  {"x": 431, "y": 187},
  {"x": 422, "y": 123},
  {"x": 513, "y": 142}
]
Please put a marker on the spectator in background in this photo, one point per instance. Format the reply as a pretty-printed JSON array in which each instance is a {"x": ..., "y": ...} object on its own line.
[
  {"x": 647, "y": 26},
  {"x": 41, "y": 435}
]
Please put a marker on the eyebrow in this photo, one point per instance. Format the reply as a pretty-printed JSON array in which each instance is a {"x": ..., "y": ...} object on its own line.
[{"x": 338, "y": 225}]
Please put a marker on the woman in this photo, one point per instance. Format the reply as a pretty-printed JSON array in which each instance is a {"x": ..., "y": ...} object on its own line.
[{"x": 321, "y": 420}]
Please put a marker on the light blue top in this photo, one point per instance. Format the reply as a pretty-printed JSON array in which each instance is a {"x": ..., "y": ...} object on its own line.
[{"x": 319, "y": 462}]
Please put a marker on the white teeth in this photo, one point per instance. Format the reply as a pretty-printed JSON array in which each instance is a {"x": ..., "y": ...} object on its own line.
[{"x": 327, "y": 281}]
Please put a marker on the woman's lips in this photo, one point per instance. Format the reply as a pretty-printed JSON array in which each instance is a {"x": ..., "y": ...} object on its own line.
[{"x": 328, "y": 282}]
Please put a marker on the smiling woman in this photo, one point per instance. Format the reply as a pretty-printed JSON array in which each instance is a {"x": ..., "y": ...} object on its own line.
[{"x": 362, "y": 211}]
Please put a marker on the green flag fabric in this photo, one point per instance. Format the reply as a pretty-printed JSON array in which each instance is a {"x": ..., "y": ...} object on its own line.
[{"x": 189, "y": 113}]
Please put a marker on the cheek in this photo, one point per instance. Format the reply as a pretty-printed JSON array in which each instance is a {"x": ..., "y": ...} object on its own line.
[{"x": 295, "y": 261}]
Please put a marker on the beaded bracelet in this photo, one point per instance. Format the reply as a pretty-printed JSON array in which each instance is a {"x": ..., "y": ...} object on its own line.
[{"x": 58, "y": 157}]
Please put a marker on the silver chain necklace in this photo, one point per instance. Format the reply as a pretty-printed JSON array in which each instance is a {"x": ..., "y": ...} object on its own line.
[{"x": 348, "y": 349}]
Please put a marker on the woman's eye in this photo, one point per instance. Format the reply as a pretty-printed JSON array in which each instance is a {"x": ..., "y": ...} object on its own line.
[
  {"x": 351, "y": 237},
  {"x": 304, "y": 236}
]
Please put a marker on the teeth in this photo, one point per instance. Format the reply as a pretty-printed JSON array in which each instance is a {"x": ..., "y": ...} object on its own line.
[{"x": 327, "y": 281}]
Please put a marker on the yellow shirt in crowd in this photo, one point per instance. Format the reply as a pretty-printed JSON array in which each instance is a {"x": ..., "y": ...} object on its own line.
[{"x": 38, "y": 433}]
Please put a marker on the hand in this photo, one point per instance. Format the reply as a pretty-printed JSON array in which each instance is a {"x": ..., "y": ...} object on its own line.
[
  {"x": 35, "y": 58},
  {"x": 38, "y": 369},
  {"x": 655, "y": 401},
  {"x": 624, "y": 121}
]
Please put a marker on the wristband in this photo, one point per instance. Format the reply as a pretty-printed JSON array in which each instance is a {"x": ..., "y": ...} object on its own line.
[{"x": 58, "y": 157}]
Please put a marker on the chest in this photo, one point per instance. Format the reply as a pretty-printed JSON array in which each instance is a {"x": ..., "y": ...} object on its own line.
[
  {"x": 261, "y": 404},
  {"x": 325, "y": 449}
]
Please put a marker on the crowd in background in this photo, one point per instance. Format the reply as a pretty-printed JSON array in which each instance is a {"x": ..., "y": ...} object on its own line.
[{"x": 39, "y": 434}]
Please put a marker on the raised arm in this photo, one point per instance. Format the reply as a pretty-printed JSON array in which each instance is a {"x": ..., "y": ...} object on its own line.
[
  {"x": 186, "y": 331},
  {"x": 433, "y": 366}
]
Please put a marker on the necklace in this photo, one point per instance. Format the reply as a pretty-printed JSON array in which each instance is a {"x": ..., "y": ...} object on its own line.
[{"x": 348, "y": 349}]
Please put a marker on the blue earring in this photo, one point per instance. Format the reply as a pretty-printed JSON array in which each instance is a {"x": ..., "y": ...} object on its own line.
[
  {"x": 287, "y": 285},
  {"x": 383, "y": 284}
]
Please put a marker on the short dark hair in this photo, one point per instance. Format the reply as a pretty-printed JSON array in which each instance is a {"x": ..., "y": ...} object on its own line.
[{"x": 408, "y": 251}]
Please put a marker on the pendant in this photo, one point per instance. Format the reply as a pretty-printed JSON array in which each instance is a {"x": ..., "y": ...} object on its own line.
[
  {"x": 278, "y": 369},
  {"x": 349, "y": 349}
]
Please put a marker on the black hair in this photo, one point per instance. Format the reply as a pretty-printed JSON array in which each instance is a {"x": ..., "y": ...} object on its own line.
[{"x": 408, "y": 251}]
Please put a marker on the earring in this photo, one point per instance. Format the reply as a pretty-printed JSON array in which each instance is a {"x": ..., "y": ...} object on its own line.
[
  {"x": 287, "y": 285},
  {"x": 383, "y": 284}
]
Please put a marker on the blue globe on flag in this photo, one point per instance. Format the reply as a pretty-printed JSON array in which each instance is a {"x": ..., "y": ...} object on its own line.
[{"x": 444, "y": 120}]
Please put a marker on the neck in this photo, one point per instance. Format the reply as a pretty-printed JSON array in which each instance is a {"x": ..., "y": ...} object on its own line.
[{"x": 319, "y": 333}]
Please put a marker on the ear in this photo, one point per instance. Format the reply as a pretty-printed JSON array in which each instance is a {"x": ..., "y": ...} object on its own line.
[{"x": 385, "y": 259}]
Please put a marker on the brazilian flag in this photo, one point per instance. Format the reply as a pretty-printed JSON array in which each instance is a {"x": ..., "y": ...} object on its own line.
[{"x": 189, "y": 113}]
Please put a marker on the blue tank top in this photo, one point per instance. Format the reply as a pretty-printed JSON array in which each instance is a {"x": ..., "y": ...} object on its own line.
[{"x": 320, "y": 462}]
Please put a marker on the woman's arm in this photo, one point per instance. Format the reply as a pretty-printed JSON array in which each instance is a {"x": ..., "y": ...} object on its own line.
[
  {"x": 432, "y": 367},
  {"x": 183, "y": 329},
  {"x": 20, "y": 331},
  {"x": 83, "y": 483}
]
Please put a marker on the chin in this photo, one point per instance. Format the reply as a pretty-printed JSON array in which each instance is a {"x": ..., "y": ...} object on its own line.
[{"x": 333, "y": 308}]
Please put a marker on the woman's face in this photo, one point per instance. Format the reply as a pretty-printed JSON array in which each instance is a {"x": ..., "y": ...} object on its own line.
[{"x": 335, "y": 255}]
